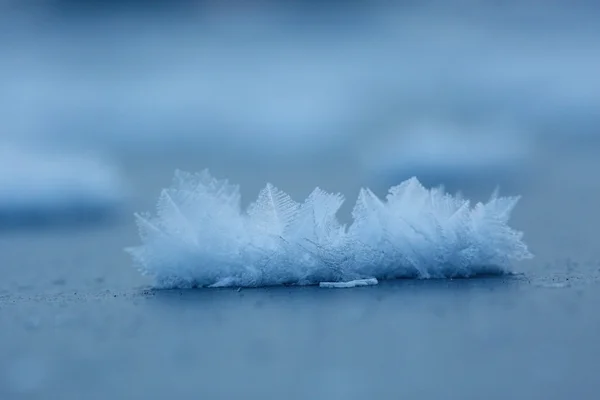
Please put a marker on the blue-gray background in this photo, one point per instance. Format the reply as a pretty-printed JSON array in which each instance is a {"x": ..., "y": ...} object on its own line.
[{"x": 472, "y": 94}]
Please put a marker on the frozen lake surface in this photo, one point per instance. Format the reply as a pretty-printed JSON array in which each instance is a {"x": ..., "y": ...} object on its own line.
[{"x": 77, "y": 321}]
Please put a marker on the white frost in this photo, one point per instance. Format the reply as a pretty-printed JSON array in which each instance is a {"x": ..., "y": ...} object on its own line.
[
  {"x": 200, "y": 236},
  {"x": 350, "y": 284}
]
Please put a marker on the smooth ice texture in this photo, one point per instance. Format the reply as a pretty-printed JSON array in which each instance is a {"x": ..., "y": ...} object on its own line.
[
  {"x": 39, "y": 185},
  {"x": 200, "y": 237},
  {"x": 350, "y": 284}
]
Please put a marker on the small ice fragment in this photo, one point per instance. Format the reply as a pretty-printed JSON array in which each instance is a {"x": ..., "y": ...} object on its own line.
[
  {"x": 225, "y": 282},
  {"x": 554, "y": 285},
  {"x": 349, "y": 284}
]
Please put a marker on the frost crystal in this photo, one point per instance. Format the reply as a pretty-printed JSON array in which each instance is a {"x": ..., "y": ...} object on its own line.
[{"x": 200, "y": 237}]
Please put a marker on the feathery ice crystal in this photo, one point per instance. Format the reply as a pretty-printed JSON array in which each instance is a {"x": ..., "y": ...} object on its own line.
[{"x": 201, "y": 237}]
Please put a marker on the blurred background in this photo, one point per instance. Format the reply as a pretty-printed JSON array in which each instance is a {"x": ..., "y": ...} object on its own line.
[{"x": 102, "y": 100}]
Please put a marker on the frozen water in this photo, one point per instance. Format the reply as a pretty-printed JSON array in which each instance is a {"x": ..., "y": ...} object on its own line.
[
  {"x": 200, "y": 236},
  {"x": 350, "y": 284}
]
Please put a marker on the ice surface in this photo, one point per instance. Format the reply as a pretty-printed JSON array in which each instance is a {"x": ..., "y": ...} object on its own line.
[
  {"x": 200, "y": 236},
  {"x": 350, "y": 284},
  {"x": 36, "y": 184}
]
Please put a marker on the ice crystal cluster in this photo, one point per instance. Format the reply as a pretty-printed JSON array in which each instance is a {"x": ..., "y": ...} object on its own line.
[{"x": 201, "y": 237}]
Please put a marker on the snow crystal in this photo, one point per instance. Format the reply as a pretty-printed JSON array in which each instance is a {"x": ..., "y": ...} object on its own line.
[{"x": 201, "y": 237}]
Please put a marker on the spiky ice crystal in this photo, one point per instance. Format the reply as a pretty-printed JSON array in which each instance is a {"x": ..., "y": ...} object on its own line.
[{"x": 201, "y": 237}]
